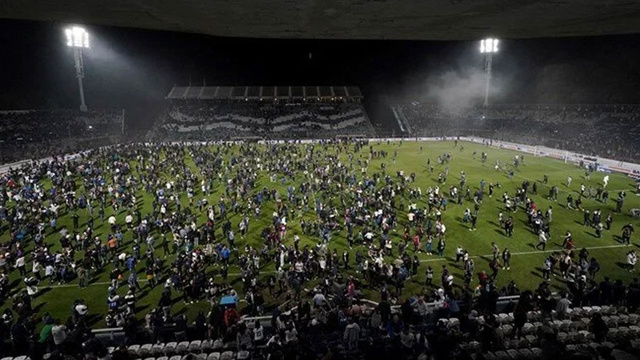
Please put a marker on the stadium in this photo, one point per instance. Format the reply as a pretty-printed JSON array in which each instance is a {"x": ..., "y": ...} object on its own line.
[{"x": 481, "y": 209}]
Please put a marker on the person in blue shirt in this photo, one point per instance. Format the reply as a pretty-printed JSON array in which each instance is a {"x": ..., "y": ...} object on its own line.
[
  {"x": 133, "y": 281},
  {"x": 224, "y": 254},
  {"x": 131, "y": 263}
]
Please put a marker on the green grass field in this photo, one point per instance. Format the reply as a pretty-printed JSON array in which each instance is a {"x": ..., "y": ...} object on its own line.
[{"x": 525, "y": 263}]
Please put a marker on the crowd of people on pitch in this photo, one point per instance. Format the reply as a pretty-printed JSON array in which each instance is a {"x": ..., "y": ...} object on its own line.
[{"x": 206, "y": 202}]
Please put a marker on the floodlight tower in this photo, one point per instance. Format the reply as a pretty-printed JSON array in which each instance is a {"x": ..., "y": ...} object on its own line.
[
  {"x": 488, "y": 47},
  {"x": 78, "y": 39}
]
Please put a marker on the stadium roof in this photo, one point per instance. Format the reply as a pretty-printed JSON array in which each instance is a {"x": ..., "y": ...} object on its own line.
[
  {"x": 263, "y": 92},
  {"x": 346, "y": 19}
]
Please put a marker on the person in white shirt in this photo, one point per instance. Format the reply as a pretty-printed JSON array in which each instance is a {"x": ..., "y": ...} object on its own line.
[
  {"x": 258, "y": 334},
  {"x": 421, "y": 307},
  {"x": 128, "y": 219},
  {"x": 459, "y": 253},
  {"x": 542, "y": 240},
  {"x": 112, "y": 222},
  {"x": 21, "y": 265},
  {"x": 59, "y": 334},
  {"x": 48, "y": 273},
  {"x": 291, "y": 334},
  {"x": 81, "y": 309},
  {"x": 632, "y": 259}
]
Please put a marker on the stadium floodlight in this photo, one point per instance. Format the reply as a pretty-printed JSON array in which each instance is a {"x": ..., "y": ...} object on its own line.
[
  {"x": 488, "y": 47},
  {"x": 78, "y": 39}
]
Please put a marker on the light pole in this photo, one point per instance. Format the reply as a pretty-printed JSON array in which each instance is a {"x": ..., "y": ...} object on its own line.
[
  {"x": 488, "y": 47},
  {"x": 78, "y": 38}
]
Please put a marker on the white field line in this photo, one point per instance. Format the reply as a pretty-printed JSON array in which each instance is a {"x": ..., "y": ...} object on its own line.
[
  {"x": 525, "y": 253},
  {"x": 436, "y": 259},
  {"x": 123, "y": 282}
]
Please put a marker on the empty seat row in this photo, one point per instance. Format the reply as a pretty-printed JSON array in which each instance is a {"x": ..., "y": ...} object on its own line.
[
  {"x": 533, "y": 353},
  {"x": 225, "y": 355},
  {"x": 175, "y": 348}
]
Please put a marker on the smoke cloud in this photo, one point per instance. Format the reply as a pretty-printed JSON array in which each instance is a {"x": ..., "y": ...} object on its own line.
[{"x": 456, "y": 89}]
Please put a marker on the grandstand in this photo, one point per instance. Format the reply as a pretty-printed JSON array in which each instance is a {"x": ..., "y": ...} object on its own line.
[
  {"x": 275, "y": 112},
  {"x": 42, "y": 133},
  {"x": 597, "y": 130}
]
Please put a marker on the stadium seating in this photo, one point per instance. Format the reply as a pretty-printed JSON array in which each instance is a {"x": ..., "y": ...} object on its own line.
[
  {"x": 572, "y": 333},
  {"x": 604, "y": 130},
  {"x": 222, "y": 121},
  {"x": 40, "y": 133}
]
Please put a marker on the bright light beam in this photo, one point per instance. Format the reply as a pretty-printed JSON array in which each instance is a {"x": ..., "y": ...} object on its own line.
[
  {"x": 78, "y": 39},
  {"x": 488, "y": 47}
]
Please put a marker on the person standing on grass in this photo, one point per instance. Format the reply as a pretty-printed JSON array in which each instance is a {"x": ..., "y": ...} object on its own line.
[
  {"x": 164, "y": 244},
  {"x": 474, "y": 221},
  {"x": 542, "y": 240},
  {"x": 429, "y": 245},
  {"x": 508, "y": 226},
  {"x": 21, "y": 265},
  {"x": 632, "y": 258},
  {"x": 415, "y": 265},
  {"x": 459, "y": 253},
  {"x": 82, "y": 276},
  {"x": 133, "y": 280},
  {"x": 441, "y": 246},
  {"x": 151, "y": 276},
  {"x": 495, "y": 267},
  {"x": 627, "y": 231},
  {"x": 570, "y": 202},
  {"x": 506, "y": 259},
  {"x": 586, "y": 218},
  {"x": 546, "y": 269},
  {"x": 567, "y": 238},
  {"x": 416, "y": 243},
  {"x": 429, "y": 276},
  {"x": 608, "y": 221},
  {"x": 599, "y": 228}
]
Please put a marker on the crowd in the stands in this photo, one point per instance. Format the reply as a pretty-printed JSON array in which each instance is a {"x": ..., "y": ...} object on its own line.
[
  {"x": 35, "y": 134},
  {"x": 605, "y": 130},
  {"x": 222, "y": 121}
]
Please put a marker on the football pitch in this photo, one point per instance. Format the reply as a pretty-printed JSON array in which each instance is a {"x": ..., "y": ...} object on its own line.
[{"x": 526, "y": 261}]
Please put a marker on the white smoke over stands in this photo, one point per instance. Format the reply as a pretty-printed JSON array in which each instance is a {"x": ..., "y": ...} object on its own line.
[{"x": 457, "y": 89}]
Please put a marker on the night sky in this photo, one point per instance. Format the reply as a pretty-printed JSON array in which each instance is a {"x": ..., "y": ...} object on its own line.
[{"x": 129, "y": 68}]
